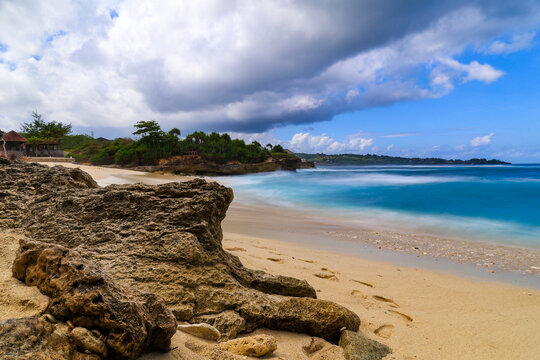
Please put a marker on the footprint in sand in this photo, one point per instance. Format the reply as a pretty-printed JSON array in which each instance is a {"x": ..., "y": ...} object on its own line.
[
  {"x": 277, "y": 260},
  {"x": 328, "y": 270},
  {"x": 326, "y": 276},
  {"x": 264, "y": 247},
  {"x": 308, "y": 261},
  {"x": 363, "y": 283},
  {"x": 235, "y": 249},
  {"x": 402, "y": 315},
  {"x": 390, "y": 302},
  {"x": 358, "y": 294},
  {"x": 384, "y": 331}
]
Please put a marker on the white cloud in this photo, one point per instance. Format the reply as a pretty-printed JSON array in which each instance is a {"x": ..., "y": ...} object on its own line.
[
  {"x": 389, "y": 147},
  {"x": 238, "y": 66},
  {"x": 519, "y": 42},
  {"x": 482, "y": 140},
  {"x": 305, "y": 142}
]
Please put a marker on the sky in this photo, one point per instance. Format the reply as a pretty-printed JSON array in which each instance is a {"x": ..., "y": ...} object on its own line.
[{"x": 451, "y": 79}]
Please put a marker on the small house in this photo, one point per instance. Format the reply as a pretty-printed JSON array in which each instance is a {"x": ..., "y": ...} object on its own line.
[{"x": 12, "y": 145}]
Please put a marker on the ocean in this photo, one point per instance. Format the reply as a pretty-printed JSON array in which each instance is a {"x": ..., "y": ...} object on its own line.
[{"x": 498, "y": 204}]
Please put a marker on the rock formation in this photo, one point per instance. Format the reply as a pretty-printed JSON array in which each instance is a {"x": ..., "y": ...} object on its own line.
[
  {"x": 128, "y": 321},
  {"x": 165, "y": 240},
  {"x": 358, "y": 347}
]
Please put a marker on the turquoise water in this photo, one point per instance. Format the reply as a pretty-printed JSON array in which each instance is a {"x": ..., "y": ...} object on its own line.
[{"x": 490, "y": 203}]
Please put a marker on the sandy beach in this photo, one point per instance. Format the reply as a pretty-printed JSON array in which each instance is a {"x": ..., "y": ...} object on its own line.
[{"x": 421, "y": 312}]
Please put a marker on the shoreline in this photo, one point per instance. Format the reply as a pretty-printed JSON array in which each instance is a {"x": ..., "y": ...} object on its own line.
[
  {"x": 455, "y": 256},
  {"x": 482, "y": 260}
]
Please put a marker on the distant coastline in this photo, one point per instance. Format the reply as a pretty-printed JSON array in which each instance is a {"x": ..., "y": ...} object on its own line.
[{"x": 372, "y": 159}]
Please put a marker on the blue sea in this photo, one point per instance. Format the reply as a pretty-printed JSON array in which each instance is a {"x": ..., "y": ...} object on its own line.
[{"x": 490, "y": 203}]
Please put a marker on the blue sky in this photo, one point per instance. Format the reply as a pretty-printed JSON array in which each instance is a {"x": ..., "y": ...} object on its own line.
[
  {"x": 451, "y": 78},
  {"x": 509, "y": 108}
]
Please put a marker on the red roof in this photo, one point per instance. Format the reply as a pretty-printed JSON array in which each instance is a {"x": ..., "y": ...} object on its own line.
[{"x": 13, "y": 136}]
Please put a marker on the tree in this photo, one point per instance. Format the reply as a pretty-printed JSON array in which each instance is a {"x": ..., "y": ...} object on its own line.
[
  {"x": 278, "y": 149},
  {"x": 148, "y": 129},
  {"x": 174, "y": 132},
  {"x": 39, "y": 131}
]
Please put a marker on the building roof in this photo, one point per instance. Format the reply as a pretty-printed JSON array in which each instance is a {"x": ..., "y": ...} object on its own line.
[{"x": 13, "y": 137}]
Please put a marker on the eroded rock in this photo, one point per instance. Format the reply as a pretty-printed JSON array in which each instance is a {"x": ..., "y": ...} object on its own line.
[
  {"x": 165, "y": 239},
  {"x": 257, "y": 345},
  {"x": 358, "y": 347},
  {"x": 35, "y": 338},
  {"x": 131, "y": 322}
]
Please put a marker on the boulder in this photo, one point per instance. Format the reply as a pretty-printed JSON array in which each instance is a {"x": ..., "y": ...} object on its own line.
[
  {"x": 164, "y": 239},
  {"x": 131, "y": 322},
  {"x": 257, "y": 345},
  {"x": 358, "y": 347},
  {"x": 204, "y": 331}
]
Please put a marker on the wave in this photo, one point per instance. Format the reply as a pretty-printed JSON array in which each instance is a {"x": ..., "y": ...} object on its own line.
[{"x": 391, "y": 180}]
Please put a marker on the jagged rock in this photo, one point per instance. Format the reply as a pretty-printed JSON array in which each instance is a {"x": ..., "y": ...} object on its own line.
[
  {"x": 166, "y": 239},
  {"x": 257, "y": 345},
  {"x": 88, "y": 341},
  {"x": 358, "y": 347},
  {"x": 204, "y": 331},
  {"x": 132, "y": 322},
  {"x": 34, "y": 338}
]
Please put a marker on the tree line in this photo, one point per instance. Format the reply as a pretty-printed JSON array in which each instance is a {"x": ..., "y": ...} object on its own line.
[{"x": 153, "y": 144}]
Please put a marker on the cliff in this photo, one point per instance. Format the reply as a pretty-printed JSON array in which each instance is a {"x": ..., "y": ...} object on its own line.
[{"x": 196, "y": 165}]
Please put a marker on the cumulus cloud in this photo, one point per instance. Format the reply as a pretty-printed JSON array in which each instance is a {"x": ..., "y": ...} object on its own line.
[
  {"x": 482, "y": 140},
  {"x": 306, "y": 142},
  {"x": 239, "y": 66}
]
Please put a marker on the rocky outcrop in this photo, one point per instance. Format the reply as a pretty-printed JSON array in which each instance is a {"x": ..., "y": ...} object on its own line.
[
  {"x": 196, "y": 165},
  {"x": 358, "y": 347},
  {"x": 126, "y": 321},
  {"x": 165, "y": 240}
]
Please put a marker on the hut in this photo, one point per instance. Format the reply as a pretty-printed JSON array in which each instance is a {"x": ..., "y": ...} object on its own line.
[
  {"x": 46, "y": 148},
  {"x": 12, "y": 145}
]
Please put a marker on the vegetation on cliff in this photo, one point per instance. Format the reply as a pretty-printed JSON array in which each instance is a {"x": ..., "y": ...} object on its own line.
[
  {"x": 371, "y": 159},
  {"x": 155, "y": 144}
]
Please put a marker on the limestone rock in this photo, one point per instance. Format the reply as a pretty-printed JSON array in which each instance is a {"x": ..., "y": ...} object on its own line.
[
  {"x": 358, "y": 347},
  {"x": 204, "y": 331},
  {"x": 164, "y": 239},
  {"x": 88, "y": 341},
  {"x": 257, "y": 345},
  {"x": 228, "y": 322},
  {"x": 82, "y": 294},
  {"x": 36, "y": 338}
]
